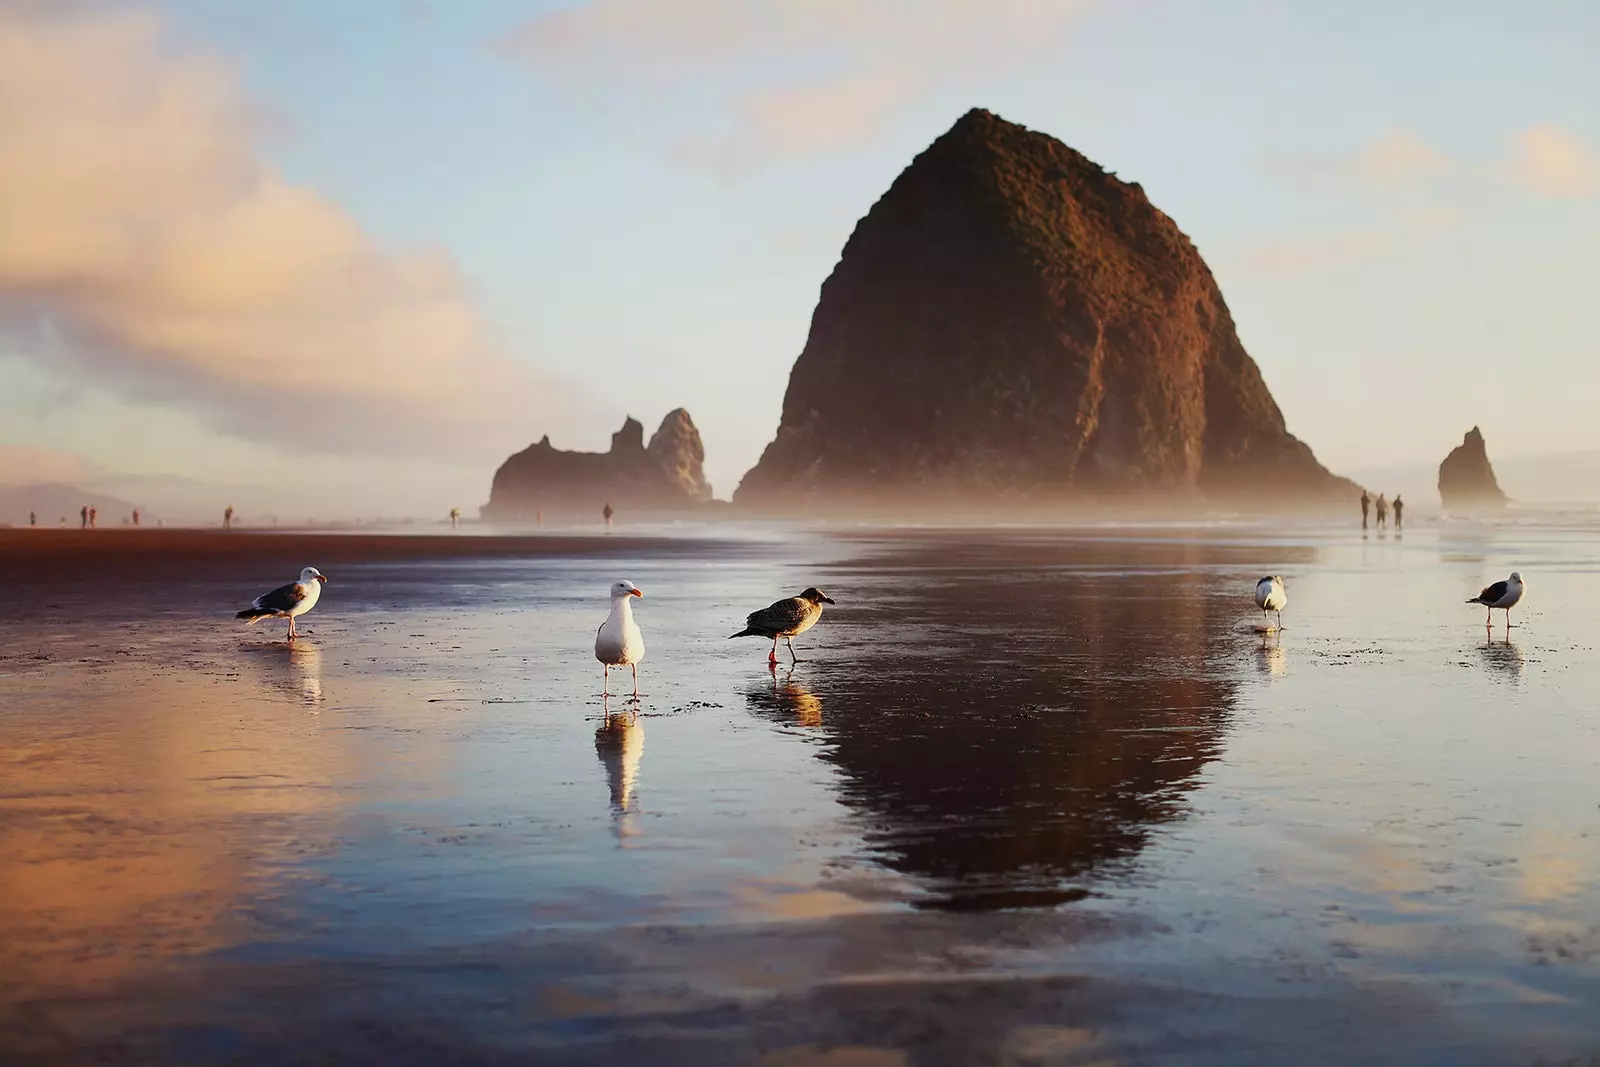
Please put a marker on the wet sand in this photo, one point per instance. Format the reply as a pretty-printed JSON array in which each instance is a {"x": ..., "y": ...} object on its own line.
[{"x": 1033, "y": 798}]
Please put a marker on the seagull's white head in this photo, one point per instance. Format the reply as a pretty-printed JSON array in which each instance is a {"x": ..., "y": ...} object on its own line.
[
  {"x": 1516, "y": 577},
  {"x": 311, "y": 574},
  {"x": 624, "y": 589}
]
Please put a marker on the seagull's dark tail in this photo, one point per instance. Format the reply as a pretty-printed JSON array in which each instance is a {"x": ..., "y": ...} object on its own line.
[
  {"x": 746, "y": 632},
  {"x": 253, "y": 614},
  {"x": 1476, "y": 600}
]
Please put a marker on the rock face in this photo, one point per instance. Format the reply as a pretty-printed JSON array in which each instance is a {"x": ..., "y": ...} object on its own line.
[
  {"x": 633, "y": 478},
  {"x": 1011, "y": 320},
  {"x": 1466, "y": 480}
]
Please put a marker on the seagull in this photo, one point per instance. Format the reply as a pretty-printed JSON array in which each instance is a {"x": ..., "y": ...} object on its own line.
[
  {"x": 786, "y": 619},
  {"x": 618, "y": 642},
  {"x": 1500, "y": 595},
  {"x": 1271, "y": 596},
  {"x": 287, "y": 602}
]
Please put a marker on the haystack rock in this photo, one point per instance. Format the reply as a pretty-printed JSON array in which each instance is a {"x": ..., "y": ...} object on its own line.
[
  {"x": 1466, "y": 480},
  {"x": 1011, "y": 321},
  {"x": 665, "y": 476}
]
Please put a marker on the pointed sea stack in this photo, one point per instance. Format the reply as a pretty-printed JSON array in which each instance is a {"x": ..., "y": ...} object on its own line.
[
  {"x": 1466, "y": 479},
  {"x": 1011, "y": 322},
  {"x": 663, "y": 478}
]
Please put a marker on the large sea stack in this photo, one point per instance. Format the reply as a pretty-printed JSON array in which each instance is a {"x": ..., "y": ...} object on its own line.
[
  {"x": 1012, "y": 322},
  {"x": 663, "y": 477},
  {"x": 1466, "y": 480}
]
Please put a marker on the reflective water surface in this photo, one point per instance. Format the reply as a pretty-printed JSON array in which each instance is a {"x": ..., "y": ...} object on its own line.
[{"x": 1029, "y": 798}]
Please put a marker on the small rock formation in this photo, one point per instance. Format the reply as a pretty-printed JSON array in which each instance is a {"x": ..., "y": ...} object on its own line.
[
  {"x": 665, "y": 476},
  {"x": 1466, "y": 480},
  {"x": 1011, "y": 321},
  {"x": 677, "y": 451}
]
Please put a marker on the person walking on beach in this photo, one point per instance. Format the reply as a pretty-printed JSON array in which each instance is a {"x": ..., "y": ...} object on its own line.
[
  {"x": 608, "y": 513},
  {"x": 227, "y": 517},
  {"x": 1399, "y": 511},
  {"x": 33, "y": 519},
  {"x": 455, "y": 517},
  {"x": 1366, "y": 505},
  {"x": 136, "y": 516},
  {"x": 1383, "y": 511},
  {"x": 94, "y": 517},
  {"x": 83, "y": 517}
]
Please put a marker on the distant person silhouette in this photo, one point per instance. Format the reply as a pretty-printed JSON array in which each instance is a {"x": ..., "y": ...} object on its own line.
[
  {"x": 94, "y": 517},
  {"x": 83, "y": 517},
  {"x": 455, "y": 517},
  {"x": 1399, "y": 511},
  {"x": 608, "y": 513},
  {"x": 1366, "y": 505},
  {"x": 136, "y": 516},
  {"x": 1383, "y": 511},
  {"x": 538, "y": 517},
  {"x": 227, "y": 517},
  {"x": 33, "y": 520}
]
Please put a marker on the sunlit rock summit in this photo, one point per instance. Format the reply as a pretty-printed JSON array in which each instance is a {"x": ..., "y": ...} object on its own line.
[
  {"x": 665, "y": 476},
  {"x": 1011, "y": 321}
]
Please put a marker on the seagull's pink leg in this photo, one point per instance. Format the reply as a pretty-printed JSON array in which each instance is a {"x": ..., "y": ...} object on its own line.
[
  {"x": 635, "y": 667},
  {"x": 772, "y": 657},
  {"x": 605, "y": 689}
]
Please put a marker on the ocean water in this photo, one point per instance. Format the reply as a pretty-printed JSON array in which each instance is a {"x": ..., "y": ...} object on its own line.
[{"x": 1033, "y": 796}]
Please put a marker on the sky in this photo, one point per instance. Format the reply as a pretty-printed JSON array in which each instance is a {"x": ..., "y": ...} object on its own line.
[{"x": 346, "y": 258}]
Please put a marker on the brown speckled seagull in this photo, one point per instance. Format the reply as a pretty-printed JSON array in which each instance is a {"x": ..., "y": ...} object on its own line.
[{"x": 787, "y": 619}]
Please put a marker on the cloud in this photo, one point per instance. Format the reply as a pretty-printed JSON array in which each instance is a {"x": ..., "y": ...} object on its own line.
[
  {"x": 1399, "y": 157},
  {"x": 1396, "y": 160},
  {"x": 152, "y": 250},
  {"x": 1314, "y": 251},
  {"x": 28, "y": 465},
  {"x": 791, "y": 77},
  {"x": 1555, "y": 162}
]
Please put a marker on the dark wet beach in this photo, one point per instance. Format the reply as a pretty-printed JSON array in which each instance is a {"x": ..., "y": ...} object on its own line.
[{"x": 1033, "y": 798}]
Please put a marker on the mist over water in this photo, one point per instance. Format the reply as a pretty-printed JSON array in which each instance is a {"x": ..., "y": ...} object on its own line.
[{"x": 1032, "y": 795}]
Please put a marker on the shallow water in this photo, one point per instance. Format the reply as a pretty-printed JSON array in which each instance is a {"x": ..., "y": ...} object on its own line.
[{"x": 1033, "y": 797}]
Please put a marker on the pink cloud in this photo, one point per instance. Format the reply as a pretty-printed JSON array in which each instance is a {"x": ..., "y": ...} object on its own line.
[
  {"x": 875, "y": 57},
  {"x": 29, "y": 465},
  {"x": 1555, "y": 161},
  {"x": 144, "y": 228}
]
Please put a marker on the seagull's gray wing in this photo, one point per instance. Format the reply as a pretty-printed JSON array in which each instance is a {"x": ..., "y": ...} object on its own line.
[{"x": 281, "y": 599}]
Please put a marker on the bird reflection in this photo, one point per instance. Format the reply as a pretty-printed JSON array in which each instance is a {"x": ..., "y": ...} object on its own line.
[
  {"x": 1503, "y": 657},
  {"x": 296, "y": 670},
  {"x": 619, "y": 742},
  {"x": 1271, "y": 659},
  {"x": 785, "y": 700}
]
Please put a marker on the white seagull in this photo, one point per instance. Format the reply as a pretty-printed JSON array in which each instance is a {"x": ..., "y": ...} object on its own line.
[
  {"x": 1502, "y": 595},
  {"x": 1271, "y": 596},
  {"x": 287, "y": 602},
  {"x": 618, "y": 642}
]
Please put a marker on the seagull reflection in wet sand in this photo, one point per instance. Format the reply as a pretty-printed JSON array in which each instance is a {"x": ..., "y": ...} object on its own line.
[
  {"x": 1270, "y": 657},
  {"x": 785, "y": 700},
  {"x": 1503, "y": 657},
  {"x": 619, "y": 742},
  {"x": 294, "y": 669}
]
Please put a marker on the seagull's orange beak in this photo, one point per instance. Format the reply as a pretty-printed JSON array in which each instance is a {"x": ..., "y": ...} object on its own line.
[
  {"x": 322, "y": 578},
  {"x": 636, "y": 592}
]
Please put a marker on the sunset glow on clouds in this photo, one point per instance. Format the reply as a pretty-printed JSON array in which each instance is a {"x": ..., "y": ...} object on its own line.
[{"x": 164, "y": 258}]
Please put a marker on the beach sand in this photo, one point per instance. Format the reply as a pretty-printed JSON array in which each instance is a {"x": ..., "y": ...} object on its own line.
[{"x": 1034, "y": 797}]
